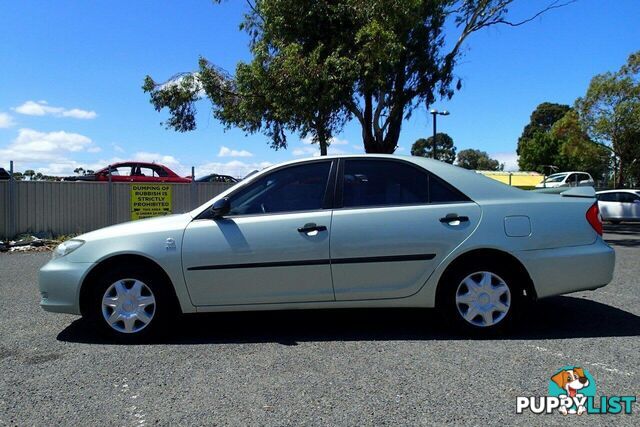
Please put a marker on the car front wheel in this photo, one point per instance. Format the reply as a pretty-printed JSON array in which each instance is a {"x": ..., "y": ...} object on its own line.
[{"x": 130, "y": 305}]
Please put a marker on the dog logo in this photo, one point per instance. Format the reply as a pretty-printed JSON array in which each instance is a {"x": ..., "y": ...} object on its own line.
[
  {"x": 572, "y": 390},
  {"x": 573, "y": 383}
]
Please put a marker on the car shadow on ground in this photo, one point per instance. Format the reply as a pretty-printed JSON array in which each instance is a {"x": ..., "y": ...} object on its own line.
[
  {"x": 623, "y": 234},
  {"x": 627, "y": 228},
  {"x": 562, "y": 317}
]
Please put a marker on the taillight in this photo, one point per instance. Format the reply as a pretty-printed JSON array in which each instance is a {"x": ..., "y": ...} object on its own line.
[{"x": 593, "y": 216}]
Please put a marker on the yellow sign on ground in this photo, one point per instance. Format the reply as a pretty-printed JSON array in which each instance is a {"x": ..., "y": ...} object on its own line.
[{"x": 149, "y": 200}]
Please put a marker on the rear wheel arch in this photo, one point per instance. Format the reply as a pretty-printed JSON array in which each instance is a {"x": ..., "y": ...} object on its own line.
[
  {"x": 116, "y": 261},
  {"x": 490, "y": 256}
]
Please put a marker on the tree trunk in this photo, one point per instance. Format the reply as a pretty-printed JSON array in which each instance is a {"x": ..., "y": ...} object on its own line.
[
  {"x": 322, "y": 137},
  {"x": 323, "y": 147}
]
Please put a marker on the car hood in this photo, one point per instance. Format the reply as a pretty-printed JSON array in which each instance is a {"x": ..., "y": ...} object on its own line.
[{"x": 143, "y": 226}]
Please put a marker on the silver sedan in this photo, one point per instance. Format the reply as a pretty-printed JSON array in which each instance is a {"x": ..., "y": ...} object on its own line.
[{"x": 346, "y": 231}]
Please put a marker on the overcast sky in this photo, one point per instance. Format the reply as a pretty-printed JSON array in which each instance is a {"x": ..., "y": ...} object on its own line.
[{"x": 71, "y": 75}]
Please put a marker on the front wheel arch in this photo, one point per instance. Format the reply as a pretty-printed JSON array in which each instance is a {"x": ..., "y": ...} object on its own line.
[{"x": 119, "y": 260}]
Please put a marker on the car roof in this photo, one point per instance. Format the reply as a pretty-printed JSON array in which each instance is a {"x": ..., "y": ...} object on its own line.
[
  {"x": 621, "y": 190},
  {"x": 476, "y": 186},
  {"x": 566, "y": 173},
  {"x": 133, "y": 162}
]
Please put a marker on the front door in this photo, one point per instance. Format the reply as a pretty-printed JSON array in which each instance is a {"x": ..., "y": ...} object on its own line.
[
  {"x": 273, "y": 246},
  {"x": 396, "y": 224}
]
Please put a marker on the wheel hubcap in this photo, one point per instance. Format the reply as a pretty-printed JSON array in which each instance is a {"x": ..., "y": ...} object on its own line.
[
  {"x": 483, "y": 299},
  {"x": 128, "y": 306}
]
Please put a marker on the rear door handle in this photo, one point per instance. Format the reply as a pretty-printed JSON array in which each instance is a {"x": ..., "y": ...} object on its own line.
[
  {"x": 452, "y": 217},
  {"x": 311, "y": 226}
]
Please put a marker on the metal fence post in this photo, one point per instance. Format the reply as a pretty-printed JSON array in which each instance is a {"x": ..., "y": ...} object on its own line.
[
  {"x": 192, "y": 196},
  {"x": 510, "y": 174},
  {"x": 110, "y": 200},
  {"x": 12, "y": 203}
]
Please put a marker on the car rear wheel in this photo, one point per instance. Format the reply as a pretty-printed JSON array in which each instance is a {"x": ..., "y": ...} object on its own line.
[
  {"x": 482, "y": 298},
  {"x": 130, "y": 305}
]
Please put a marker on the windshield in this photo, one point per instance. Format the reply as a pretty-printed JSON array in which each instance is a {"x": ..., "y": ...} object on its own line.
[{"x": 557, "y": 177}]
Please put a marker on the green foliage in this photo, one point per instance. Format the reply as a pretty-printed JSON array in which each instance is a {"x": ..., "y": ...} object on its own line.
[
  {"x": 554, "y": 137},
  {"x": 577, "y": 151},
  {"x": 317, "y": 64},
  {"x": 535, "y": 148},
  {"x": 445, "y": 150},
  {"x": 543, "y": 118},
  {"x": 610, "y": 113},
  {"x": 478, "y": 160},
  {"x": 33, "y": 176}
]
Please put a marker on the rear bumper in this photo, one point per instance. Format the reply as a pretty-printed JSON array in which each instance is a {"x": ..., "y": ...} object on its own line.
[
  {"x": 60, "y": 282},
  {"x": 570, "y": 269}
]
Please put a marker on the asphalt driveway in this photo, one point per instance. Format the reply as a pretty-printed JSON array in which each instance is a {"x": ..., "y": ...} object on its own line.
[{"x": 343, "y": 367}]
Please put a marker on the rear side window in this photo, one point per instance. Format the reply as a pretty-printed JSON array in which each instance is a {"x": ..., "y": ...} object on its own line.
[
  {"x": 627, "y": 197},
  {"x": 392, "y": 183},
  {"x": 160, "y": 172}
]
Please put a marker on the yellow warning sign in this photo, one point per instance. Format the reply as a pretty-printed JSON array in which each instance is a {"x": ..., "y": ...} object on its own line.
[{"x": 149, "y": 200}]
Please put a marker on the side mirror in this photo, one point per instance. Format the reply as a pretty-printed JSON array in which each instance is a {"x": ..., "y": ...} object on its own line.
[{"x": 221, "y": 207}]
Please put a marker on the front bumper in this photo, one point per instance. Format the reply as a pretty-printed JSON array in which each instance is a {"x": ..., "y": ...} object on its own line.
[
  {"x": 570, "y": 269},
  {"x": 60, "y": 282}
]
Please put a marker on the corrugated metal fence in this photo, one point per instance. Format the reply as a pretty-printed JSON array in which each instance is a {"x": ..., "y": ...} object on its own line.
[{"x": 77, "y": 207}]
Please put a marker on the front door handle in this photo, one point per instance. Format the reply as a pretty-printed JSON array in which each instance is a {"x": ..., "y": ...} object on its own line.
[
  {"x": 452, "y": 217},
  {"x": 311, "y": 226}
]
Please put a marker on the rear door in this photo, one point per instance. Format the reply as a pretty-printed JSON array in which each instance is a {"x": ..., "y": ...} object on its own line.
[
  {"x": 609, "y": 206},
  {"x": 630, "y": 205},
  {"x": 393, "y": 224}
]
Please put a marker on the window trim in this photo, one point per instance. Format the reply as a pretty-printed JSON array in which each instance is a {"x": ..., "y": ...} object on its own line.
[
  {"x": 327, "y": 200},
  {"x": 339, "y": 189}
]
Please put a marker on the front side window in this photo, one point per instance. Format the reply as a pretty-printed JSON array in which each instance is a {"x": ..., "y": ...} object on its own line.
[
  {"x": 122, "y": 170},
  {"x": 392, "y": 183},
  {"x": 295, "y": 188},
  {"x": 556, "y": 177},
  {"x": 607, "y": 197}
]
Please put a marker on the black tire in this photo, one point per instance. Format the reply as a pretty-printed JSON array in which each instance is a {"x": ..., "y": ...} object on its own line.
[
  {"x": 452, "y": 309},
  {"x": 162, "y": 310}
]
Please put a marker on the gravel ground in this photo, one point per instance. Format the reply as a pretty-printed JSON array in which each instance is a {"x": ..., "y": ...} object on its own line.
[{"x": 346, "y": 367}]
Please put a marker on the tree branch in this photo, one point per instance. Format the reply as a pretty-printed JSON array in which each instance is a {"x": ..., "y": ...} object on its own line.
[
  {"x": 554, "y": 5},
  {"x": 254, "y": 10}
]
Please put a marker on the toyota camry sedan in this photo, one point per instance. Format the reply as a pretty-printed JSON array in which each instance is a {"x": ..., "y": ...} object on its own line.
[{"x": 338, "y": 232}]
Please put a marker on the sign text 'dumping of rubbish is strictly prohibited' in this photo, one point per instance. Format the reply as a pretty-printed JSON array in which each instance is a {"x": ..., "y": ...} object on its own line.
[{"x": 149, "y": 200}]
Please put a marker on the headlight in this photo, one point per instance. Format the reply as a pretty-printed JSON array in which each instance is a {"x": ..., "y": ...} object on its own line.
[{"x": 65, "y": 248}]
